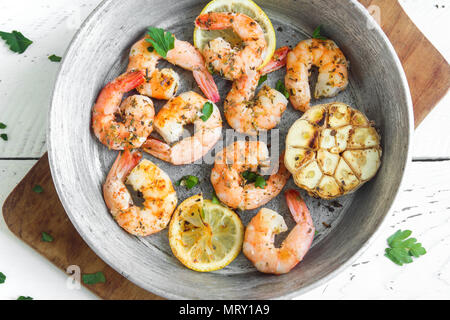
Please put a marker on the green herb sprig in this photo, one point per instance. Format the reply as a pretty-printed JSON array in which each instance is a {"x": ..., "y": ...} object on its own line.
[
  {"x": 16, "y": 41},
  {"x": 45, "y": 237},
  {"x": 253, "y": 177},
  {"x": 188, "y": 181},
  {"x": 280, "y": 87},
  {"x": 54, "y": 58},
  {"x": 214, "y": 198},
  {"x": 93, "y": 278},
  {"x": 262, "y": 79},
  {"x": 2, "y": 277},
  {"x": 38, "y": 189},
  {"x": 162, "y": 41},
  {"x": 317, "y": 35},
  {"x": 207, "y": 111},
  {"x": 24, "y": 298},
  {"x": 401, "y": 250}
]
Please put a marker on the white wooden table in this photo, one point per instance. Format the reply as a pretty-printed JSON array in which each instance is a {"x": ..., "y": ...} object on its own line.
[{"x": 26, "y": 83}]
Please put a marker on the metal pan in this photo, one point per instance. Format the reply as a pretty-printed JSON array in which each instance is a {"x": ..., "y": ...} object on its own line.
[{"x": 79, "y": 163}]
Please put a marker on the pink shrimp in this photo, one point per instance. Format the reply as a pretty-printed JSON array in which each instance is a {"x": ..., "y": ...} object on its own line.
[
  {"x": 163, "y": 84},
  {"x": 260, "y": 234},
  {"x": 160, "y": 198},
  {"x": 248, "y": 115},
  {"x": 219, "y": 55},
  {"x": 333, "y": 73},
  {"x": 123, "y": 125}
]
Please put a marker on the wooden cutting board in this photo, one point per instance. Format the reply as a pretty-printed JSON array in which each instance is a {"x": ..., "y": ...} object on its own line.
[{"x": 28, "y": 214}]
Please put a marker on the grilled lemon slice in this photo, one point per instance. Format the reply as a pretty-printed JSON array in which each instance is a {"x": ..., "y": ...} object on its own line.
[
  {"x": 332, "y": 150},
  {"x": 205, "y": 236},
  {"x": 248, "y": 7}
]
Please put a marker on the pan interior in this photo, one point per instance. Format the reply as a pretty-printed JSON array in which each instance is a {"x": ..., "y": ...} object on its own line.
[{"x": 80, "y": 163}]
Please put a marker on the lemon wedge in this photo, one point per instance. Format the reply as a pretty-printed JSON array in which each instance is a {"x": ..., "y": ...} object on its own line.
[
  {"x": 248, "y": 7},
  {"x": 205, "y": 236}
]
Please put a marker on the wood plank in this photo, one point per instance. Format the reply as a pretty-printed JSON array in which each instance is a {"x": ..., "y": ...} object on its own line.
[
  {"x": 417, "y": 55},
  {"x": 27, "y": 272},
  {"x": 28, "y": 213}
]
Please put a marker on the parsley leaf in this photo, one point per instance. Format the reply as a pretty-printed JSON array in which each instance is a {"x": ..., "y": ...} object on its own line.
[
  {"x": 94, "y": 278},
  {"x": 214, "y": 199},
  {"x": 188, "y": 181},
  {"x": 251, "y": 177},
  {"x": 24, "y": 298},
  {"x": 2, "y": 125},
  {"x": 38, "y": 189},
  {"x": 317, "y": 35},
  {"x": 54, "y": 58},
  {"x": 2, "y": 277},
  {"x": 4, "y": 136},
  {"x": 210, "y": 68},
  {"x": 207, "y": 111},
  {"x": 260, "y": 182},
  {"x": 402, "y": 248},
  {"x": 280, "y": 87},
  {"x": 162, "y": 41},
  {"x": 46, "y": 237},
  {"x": 17, "y": 41},
  {"x": 262, "y": 80}
]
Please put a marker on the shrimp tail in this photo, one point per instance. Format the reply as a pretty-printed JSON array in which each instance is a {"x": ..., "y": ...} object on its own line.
[
  {"x": 298, "y": 207},
  {"x": 206, "y": 83},
  {"x": 214, "y": 21},
  {"x": 277, "y": 62},
  {"x": 125, "y": 162},
  {"x": 124, "y": 83},
  {"x": 158, "y": 149},
  {"x": 130, "y": 80}
]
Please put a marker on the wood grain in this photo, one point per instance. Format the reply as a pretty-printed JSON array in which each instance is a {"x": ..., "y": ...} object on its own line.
[
  {"x": 28, "y": 213},
  {"x": 427, "y": 71}
]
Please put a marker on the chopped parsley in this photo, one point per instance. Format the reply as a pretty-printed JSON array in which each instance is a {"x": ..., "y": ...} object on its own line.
[
  {"x": 94, "y": 278},
  {"x": 46, "y": 237},
  {"x": 280, "y": 87},
  {"x": 207, "y": 111},
  {"x": 214, "y": 199},
  {"x": 38, "y": 189},
  {"x": 16, "y": 41},
  {"x": 188, "y": 181},
  {"x": 162, "y": 41},
  {"x": 54, "y": 58},
  {"x": 262, "y": 80},
  {"x": 24, "y": 298},
  {"x": 401, "y": 250},
  {"x": 317, "y": 35},
  {"x": 253, "y": 177}
]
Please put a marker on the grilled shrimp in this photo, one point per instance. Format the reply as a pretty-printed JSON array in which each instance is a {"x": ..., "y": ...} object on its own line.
[
  {"x": 163, "y": 84},
  {"x": 229, "y": 184},
  {"x": 333, "y": 72},
  {"x": 160, "y": 198},
  {"x": 260, "y": 234},
  {"x": 169, "y": 123},
  {"x": 123, "y": 125},
  {"x": 220, "y": 56},
  {"x": 248, "y": 115}
]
